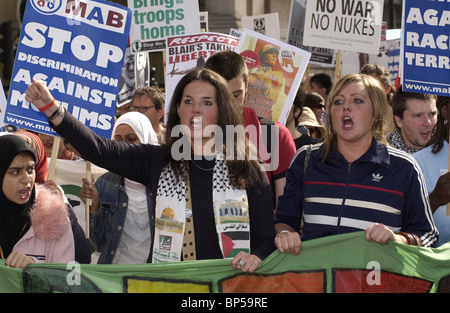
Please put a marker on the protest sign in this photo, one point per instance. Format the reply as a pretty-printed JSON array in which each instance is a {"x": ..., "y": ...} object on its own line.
[
  {"x": 235, "y": 32},
  {"x": 153, "y": 21},
  {"x": 275, "y": 73},
  {"x": 204, "y": 21},
  {"x": 68, "y": 175},
  {"x": 135, "y": 74},
  {"x": 387, "y": 58},
  {"x": 322, "y": 56},
  {"x": 425, "y": 66},
  {"x": 266, "y": 24},
  {"x": 185, "y": 53},
  {"x": 393, "y": 53},
  {"x": 77, "y": 48},
  {"x": 335, "y": 264},
  {"x": 348, "y": 25},
  {"x": 2, "y": 104},
  {"x": 352, "y": 63}
]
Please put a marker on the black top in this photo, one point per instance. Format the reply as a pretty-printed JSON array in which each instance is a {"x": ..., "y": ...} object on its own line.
[
  {"x": 305, "y": 140},
  {"x": 144, "y": 163},
  {"x": 14, "y": 218}
]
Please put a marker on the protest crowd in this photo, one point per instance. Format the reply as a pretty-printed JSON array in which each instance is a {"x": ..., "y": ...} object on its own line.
[{"x": 319, "y": 156}]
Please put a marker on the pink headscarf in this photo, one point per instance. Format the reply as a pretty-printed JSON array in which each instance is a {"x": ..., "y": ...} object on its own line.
[{"x": 41, "y": 155}]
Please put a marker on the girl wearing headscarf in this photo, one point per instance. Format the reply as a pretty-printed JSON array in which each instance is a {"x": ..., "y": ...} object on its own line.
[
  {"x": 41, "y": 156},
  {"x": 34, "y": 222},
  {"x": 82, "y": 250},
  {"x": 122, "y": 209}
]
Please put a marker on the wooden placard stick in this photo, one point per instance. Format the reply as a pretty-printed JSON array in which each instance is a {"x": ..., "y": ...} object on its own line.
[
  {"x": 88, "y": 200},
  {"x": 338, "y": 70},
  {"x": 305, "y": 87},
  {"x": 54, "y": 158}
]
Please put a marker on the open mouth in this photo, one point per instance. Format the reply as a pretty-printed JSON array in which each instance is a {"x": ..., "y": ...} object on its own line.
[
  {"x": 425, "y": 135},
  {"x": 347, "y": 122},
  {"x": 196, "y": 122},
  {"x": 25, "y": 193}
]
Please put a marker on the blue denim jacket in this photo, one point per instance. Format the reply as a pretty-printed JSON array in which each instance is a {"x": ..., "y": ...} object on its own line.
[{"x": 106, "y": 225}]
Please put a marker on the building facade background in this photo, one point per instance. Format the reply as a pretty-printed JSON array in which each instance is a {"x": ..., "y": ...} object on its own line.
[{"x": 222, "y": 15}]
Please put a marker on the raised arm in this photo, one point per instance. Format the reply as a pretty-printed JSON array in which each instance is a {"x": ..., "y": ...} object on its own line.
[
  {"x": 136, "y": 162},
  {"x": 40, "y": 96}
]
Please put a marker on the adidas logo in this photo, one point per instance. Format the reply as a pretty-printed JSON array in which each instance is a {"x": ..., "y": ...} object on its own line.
[{"x": 377, "y": 178}]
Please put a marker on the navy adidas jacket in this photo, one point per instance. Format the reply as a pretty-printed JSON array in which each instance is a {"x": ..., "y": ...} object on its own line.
[{"x": 385, "y": 186}]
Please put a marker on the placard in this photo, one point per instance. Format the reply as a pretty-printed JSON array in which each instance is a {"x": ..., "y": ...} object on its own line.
[
  {"x": 273, "y": 81},
  {"x": 322, "y": 56},
  {"x": 135, "y": 74},
  {"x": 266, "y": 24},
  {"x": 185, "y": 53},
  {"x": 2, "y": 105},
  {"x": 348, "y": 25},
  {"x": 425, "y": 47},
  {"x": 77, "y": 48},
  {"x": 154, "y": 21}
]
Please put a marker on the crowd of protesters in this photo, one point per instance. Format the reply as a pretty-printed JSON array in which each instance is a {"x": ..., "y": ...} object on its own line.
[{"x": 354, "y": 155}]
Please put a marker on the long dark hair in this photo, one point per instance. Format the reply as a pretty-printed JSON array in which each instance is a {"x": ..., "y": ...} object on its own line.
[
  {"x": 440, "y": 130},
  {"x": 242, "y": 173}
]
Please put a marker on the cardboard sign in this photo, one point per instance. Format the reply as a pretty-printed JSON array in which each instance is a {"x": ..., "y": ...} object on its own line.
[
  {"x": 294, "y": 35},
  {"x": 266, "y": 24},
  {"x": 348, "y": 25},
  {"x": 135, "y": 74},
  {"x": 154, "y": 21},
  {"x": 77, "y": 48},
  {"x": 273, "y": 81},
  {"x": 393, "y": 53},
  {"x": 2, "y": 104},
  {"x": 185, "y": 53}
]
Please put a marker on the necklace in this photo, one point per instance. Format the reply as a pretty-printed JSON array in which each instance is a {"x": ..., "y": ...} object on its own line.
[{"x": 203, "y": 169}]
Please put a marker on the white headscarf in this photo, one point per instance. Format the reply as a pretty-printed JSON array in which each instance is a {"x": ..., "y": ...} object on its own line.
[
  {"x": 144, "y": 130},
  {"x": 135, "y": 241},
  {"x": 141, "y": 126}
]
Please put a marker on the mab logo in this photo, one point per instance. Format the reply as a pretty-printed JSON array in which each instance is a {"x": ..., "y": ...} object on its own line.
[
  {"x": 95, "y": 13},
  {"x": 91, "y": 12},
  {"x": 46, "y": 6}
]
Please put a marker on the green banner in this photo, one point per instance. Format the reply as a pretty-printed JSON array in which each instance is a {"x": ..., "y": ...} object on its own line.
[{"x": 343, "y": 263}]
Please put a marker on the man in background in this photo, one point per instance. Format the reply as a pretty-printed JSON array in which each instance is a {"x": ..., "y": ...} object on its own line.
[
  {"x": 231, "y": 66},
  {"x": 415, "y": 115}
]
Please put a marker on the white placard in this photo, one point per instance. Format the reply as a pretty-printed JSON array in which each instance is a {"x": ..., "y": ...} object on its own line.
[{"x": 348, "y": 25}]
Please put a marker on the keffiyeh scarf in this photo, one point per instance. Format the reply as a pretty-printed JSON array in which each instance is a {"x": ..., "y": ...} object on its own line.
[
  {"x": 230, "y": 211},
  {"x": 395, "y": 139}
]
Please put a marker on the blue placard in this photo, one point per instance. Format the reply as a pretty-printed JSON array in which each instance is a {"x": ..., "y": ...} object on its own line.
[
  {"x": 426, "y": 46},
  {"x": 393, "y": 53},
  {"x": 77, "y": 48}
]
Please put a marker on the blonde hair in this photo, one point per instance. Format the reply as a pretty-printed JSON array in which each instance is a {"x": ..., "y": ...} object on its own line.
[{"x": 379, "y": 105}]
